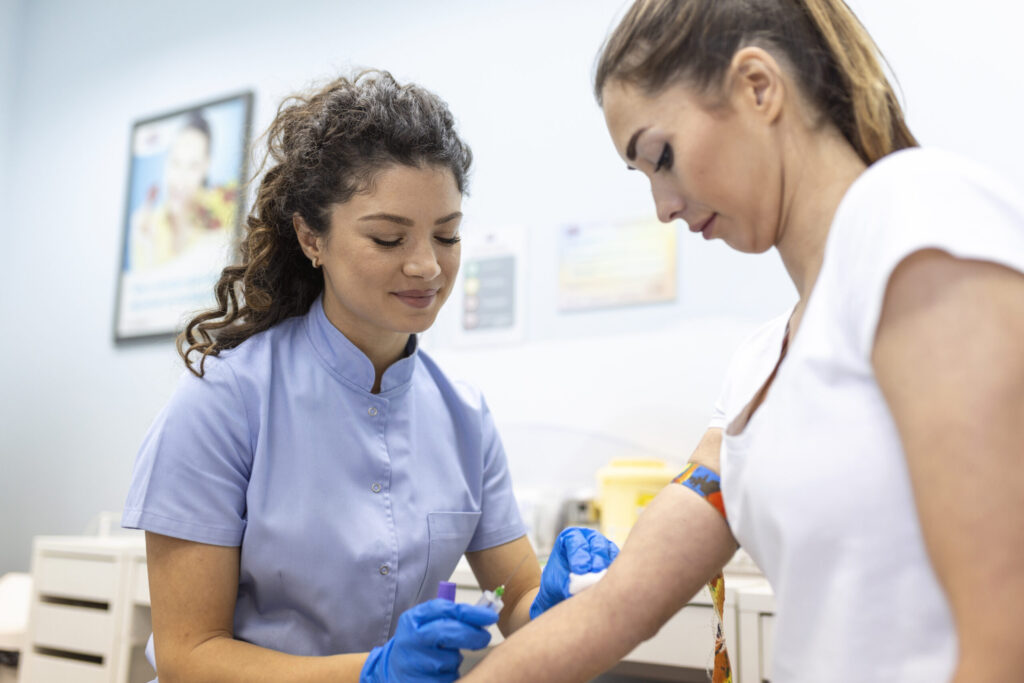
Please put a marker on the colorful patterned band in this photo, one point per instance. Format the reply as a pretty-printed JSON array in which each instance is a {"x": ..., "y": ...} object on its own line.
[{"x": 705, "y": 483}]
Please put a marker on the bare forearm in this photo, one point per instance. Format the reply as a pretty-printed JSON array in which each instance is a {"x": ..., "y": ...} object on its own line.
[
  {"x": 520, "y": 615},
  {"x": 680, "y": 537},
  {"x": 549, "y": 651},
  {"x": 225, "y": 660}
]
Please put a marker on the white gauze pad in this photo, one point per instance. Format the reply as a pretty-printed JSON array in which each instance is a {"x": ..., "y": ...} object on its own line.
[{"x": 581, "y": 582}]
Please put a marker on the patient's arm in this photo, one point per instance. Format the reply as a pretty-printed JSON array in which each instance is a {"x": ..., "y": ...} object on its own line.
[{"x": 677, "y": 545}]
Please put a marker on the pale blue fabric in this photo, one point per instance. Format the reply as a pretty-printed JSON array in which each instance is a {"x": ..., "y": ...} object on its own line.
[{"x": 349, "y": 506}]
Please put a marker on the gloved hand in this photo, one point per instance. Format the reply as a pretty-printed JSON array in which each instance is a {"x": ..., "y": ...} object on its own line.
[
  {"x": 577, "y": 551},
  {"x": 426, "y": 643}
]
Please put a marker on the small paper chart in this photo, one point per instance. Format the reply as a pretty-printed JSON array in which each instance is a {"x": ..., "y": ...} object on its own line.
[{"x": 604, "y": 266}]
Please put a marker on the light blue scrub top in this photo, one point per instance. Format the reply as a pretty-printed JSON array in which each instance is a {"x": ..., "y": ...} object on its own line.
[{"x": 348, "y": 506}]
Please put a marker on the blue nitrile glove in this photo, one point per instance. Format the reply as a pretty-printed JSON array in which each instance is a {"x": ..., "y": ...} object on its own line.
[
  {"x": 577, "y": 551},
  {"x": 427, "y": 642}
]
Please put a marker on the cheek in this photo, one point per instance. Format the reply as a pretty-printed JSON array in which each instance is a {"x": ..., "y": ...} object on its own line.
[
  {"x": 769, "y": 206},
  {"x": 748, "y": 186},
  {"x": 450, "y": 259},
  {"x": 356, "y": 267}
]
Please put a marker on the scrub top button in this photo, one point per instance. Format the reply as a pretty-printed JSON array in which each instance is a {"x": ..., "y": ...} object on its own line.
[
  {"x": 372, "y": 411},
  {"x": 375, "y": 488},
  {"x": 384, "y": 569}
]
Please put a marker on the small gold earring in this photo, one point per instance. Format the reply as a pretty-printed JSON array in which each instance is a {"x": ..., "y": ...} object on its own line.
[{"x": 316, "y": 262}]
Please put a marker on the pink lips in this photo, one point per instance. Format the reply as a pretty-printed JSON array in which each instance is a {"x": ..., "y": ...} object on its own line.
[
  {"x": 705, "y": 227},
  {"x": 417, "y": 298}
]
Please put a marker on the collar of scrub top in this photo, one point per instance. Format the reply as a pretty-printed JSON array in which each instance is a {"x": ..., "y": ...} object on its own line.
[{"x": 351, "y": 365}]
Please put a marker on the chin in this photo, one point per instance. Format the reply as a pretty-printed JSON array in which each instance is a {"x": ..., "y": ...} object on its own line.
[
  {"x": 419, "y": 329},
  {"x": 417, "y": 326},
  {"x": 747, "y": 246},
  {"x": 742, "y": 247}
]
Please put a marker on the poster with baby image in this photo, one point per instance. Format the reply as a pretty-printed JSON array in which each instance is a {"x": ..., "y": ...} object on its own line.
[{"x": 183, "y": 206}]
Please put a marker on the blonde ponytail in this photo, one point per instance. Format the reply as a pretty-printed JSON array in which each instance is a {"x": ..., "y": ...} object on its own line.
[
  {"x": 878, "y": 121},
  {"x": 836, "y": 62}
]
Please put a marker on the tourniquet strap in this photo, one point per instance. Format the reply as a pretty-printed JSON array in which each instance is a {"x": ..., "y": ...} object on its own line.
[{"x": 707, "y": 484}]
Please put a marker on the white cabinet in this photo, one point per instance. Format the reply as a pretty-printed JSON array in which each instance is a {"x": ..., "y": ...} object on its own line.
[
  {"x": 86, "y": 623},
  {"x": 756, "y": 609}
]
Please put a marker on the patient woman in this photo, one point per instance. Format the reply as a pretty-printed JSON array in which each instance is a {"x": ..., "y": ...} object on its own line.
[
  {"x": 316, "y": 474},
  {"x": 871, "y": 442}
]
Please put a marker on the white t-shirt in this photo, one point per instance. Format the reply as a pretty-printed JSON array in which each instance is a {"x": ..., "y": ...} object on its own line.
[
  {"x": 816, "y": 486},
  {"x": 749, "y": 367}
]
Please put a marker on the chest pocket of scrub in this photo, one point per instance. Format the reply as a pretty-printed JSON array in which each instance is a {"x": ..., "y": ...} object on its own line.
[{"x": 450, "y": 533}]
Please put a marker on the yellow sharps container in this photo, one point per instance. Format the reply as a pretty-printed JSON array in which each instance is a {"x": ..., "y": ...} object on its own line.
[{"x": 624, "y": 488}]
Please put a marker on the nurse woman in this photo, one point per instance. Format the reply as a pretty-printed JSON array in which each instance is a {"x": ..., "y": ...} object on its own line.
[
  {"x": 316, "y": 474},
  {"x": 869, "y": 445}
]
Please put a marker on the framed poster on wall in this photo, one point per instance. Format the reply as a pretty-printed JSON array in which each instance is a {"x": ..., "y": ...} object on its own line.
[
  {"x": 182, "y": 212},
  {"x": 615, "y": 265},
  {"x": 491, "y": 291}
]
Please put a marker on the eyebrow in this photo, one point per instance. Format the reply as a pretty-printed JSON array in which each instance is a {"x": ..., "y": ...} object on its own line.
[
  {"x": 631, "y": 146},
  {"x": 401, "y": 220},
  {"x": 449, "y": 217},
  {"x": 407, "y": 222}
]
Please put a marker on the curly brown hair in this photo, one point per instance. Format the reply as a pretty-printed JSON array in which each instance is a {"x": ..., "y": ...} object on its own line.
[{"x": 322, "y": 148}]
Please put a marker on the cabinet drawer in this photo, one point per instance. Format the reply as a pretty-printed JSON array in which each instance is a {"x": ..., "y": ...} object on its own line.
[
  {"x": 85, "y": 578},
  {"x": 767, "y": 645},
  {"x": 688, "y": 639},
  {"x": 76, "y": 629},
  {"x": 46, "y": 669}
]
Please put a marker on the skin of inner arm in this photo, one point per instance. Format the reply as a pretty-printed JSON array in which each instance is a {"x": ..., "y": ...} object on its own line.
[
  {"x": 193, "y": 587},
  {"x": 676, "y": 546},
  {"x": 494, "y": 565},
  {"x": 948, "y": 359}
]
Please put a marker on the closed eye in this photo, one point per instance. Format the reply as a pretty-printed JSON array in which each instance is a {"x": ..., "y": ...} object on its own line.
[
  {"x": 665, "y": 160},
  {"x": 447, "y": 241}
]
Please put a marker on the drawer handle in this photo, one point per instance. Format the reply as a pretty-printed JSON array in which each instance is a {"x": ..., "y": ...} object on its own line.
[
  {"x": 73, "y": 602},
  {"x": 67, "y": 654}
]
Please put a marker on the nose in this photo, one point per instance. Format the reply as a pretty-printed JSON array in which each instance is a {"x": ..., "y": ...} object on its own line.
[
  {"x": 668, "y": 202},
  {"x": 422, "y": 262}
]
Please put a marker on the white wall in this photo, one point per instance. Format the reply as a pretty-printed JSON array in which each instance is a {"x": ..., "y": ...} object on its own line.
[
  {"x": 73, "y": 406},
  {"x": 10, "y": 11}
]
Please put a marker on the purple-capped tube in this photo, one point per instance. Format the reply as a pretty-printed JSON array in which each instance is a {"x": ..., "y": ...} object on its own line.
[{"x": 446, "y": 590}]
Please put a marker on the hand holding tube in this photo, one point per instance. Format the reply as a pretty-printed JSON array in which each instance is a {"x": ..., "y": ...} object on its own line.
[{"x": 427, "y": 642}]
